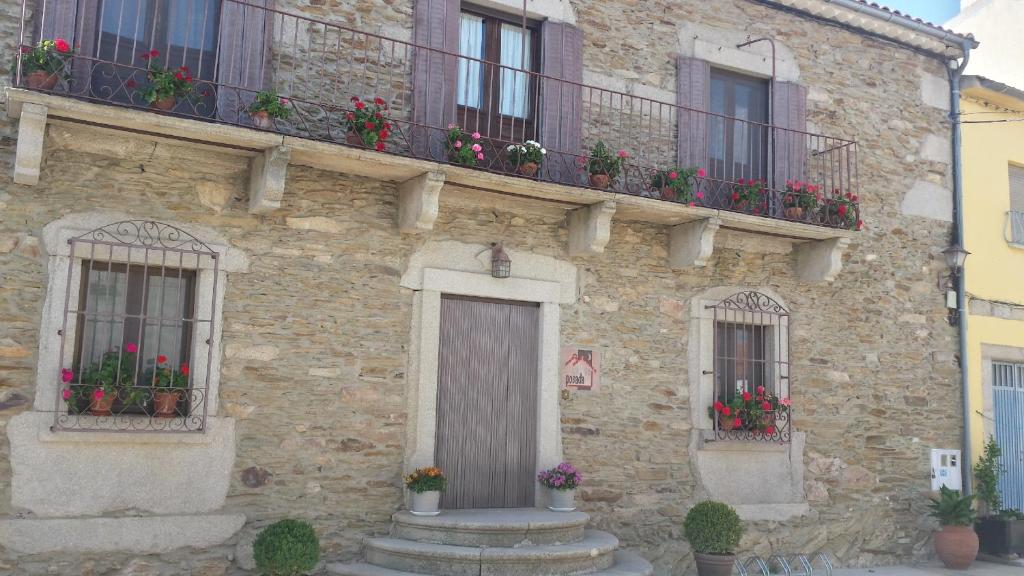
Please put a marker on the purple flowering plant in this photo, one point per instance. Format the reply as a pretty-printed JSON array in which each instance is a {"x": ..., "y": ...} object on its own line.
[{"x": 565, "y": 476}]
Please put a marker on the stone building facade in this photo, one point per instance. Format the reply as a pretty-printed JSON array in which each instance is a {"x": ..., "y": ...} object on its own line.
[{"x": 332, "y": 258}]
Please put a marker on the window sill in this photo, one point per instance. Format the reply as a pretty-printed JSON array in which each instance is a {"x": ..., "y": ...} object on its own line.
[
  {"x": 711, "y": 444},
  {"x": 1015, "y": 245}
]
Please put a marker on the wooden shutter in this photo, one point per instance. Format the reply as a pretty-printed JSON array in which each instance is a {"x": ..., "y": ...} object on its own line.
[
  {"x": 1017, "y": 188},
  {"x": 243, "y": 56},
  {"x": 435, "y": 74},
  {"x": 790, "y": 149},
  {"x": 57, "y": 19},
  {"x": 693, "y": 81},
  {"x": 561, "y": 103}
]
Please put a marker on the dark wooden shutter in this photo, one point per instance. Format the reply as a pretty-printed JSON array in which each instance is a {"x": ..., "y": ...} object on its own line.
[
  {"x": 243, "y": 56},
  {"x": 693, "y": 81},
  {"x": 435, "y": 74},
  {"x": 561, "y": 102},
  {"x": 57, "y": 19},
  {"x": 790, "y": 149}
]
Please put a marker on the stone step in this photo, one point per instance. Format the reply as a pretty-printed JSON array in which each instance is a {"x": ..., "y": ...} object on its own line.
[
  {"x": 626, "y": 564},
  {"x": 593, "y": 553},
  {"x": 492, "y": 527}
]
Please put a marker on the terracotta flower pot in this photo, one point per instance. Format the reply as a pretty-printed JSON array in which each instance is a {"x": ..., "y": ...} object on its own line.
[
  {"x": 102, "y": 406},
  {"x": 165, "y": 404},
  {"x": 956, "y": 546},
  {"x": 668, "y": 193},
  {"x": 40, "y": 80},
  {"x": 529, "y": 169},
  {"x": 726, "y": 423},
  {"x": 714, "y": 564},
  {"x": 795, "y": 213},
  {"x": 352, "y": 138},
  {"x": 262, "y": 120},
  {"x": 165, "y": 104},
  {"x": 600, "y": 181}
]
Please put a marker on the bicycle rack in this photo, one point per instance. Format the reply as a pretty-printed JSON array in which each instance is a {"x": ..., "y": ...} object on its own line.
[{"x": 780, "y": 564}]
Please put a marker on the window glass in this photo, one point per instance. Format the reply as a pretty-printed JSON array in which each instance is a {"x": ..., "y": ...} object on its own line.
[
  {"x": 744, "y": 359},
  {"x": 738, "y": 142},
  {"x": 471, "y": 44},
  {"x": 514, "y": 84}
]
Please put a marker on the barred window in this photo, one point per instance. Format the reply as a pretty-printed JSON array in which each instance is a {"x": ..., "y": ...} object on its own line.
[{"x": 130, "y": 330}]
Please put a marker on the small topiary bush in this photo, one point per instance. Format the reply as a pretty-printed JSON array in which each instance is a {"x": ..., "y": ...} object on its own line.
[
  {"x": 713, "y": 528},
  {"x": 286, "y": 548}
]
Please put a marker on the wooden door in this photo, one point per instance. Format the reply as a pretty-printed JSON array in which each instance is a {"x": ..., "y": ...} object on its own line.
[{"x": 487, "y": 402}]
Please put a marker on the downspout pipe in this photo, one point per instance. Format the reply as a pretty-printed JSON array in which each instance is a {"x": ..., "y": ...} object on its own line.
[{"x": 955, "y": 74}]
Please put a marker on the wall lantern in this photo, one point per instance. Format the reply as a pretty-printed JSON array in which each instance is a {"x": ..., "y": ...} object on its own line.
[
  {"x": 501, "y": 264},
  {"x": 955, "y": 256},
  {"x": 950, "y": 283}
]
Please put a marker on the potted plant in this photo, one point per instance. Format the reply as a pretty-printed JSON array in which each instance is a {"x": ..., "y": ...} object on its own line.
[
  {"x": 286, "y": 548},
  {"x": 1000, "y": 531},
  {"x": 842, "y": 210},
  {"x": 426, "y": 485},
  {"x": 729, "y": 415},
  {"x": 676, "y": 184},
  {"x": 168, "y": 386},
  {"x": 956, "y": 543},
  {"x": 713, "y": 530},
  {"x": 526, "y": 157},
  {"x": 462, "y": 147},
  {"x": 801, "y": 199},
  {"x": 46, "y": 63},
  {"x": 267, "y": 107},
  {"x": 368, "y": 124},
  {"x": 561, "y": 482},
  {"x": 603, "y": 166},
  {"x": 104, "y": 381},
  {"x": 165, "y": 86},
  {"x": 749, "y": 196}
]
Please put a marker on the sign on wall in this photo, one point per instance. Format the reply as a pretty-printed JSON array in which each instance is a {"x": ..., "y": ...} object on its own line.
[{"x": 581, "y": 368}]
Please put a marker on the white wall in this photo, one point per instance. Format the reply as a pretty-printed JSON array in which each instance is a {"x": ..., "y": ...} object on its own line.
[{"x": 997, "y": 25}]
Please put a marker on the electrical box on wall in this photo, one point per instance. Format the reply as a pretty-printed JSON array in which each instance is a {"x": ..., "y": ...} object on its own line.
[{"x": 946, "y": 469}]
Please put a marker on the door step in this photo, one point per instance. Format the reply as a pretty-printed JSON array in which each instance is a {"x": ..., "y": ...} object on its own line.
[
  {"x": 492, "y": 527},
  {"x": 626, "y": 564}
]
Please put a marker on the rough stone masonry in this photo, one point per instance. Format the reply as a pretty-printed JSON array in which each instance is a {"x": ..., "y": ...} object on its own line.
[{"x": 316, "y": 335}]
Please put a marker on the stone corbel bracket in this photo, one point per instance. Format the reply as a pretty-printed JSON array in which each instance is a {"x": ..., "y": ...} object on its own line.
[
  {"x": 691, "y": 244},
  {"x": 821, "y": 260},
  {"x": 31, "y": 134},
  {"x": 590, "y": 228},
  {"x": 268, "y": 172},
  {"x": 418, "y": 200}
]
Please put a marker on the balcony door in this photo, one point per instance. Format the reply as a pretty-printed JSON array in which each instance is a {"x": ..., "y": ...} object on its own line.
[
  {"x": 183, "y": 32},
  {"x": 738, "y": 132},
  {"x": 494, "y": 95}
]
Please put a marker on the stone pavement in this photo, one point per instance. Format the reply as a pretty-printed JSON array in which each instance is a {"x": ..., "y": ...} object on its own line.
[{"x": 935, "y": 569}]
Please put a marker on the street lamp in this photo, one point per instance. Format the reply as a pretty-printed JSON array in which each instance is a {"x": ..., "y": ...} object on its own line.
[{"x": 955, "y": 256}]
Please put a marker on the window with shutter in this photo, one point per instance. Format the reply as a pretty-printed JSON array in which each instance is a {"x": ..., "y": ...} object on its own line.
[
  {"x": 1016, "y": 204},
  {"x": 737, "y": 130}
]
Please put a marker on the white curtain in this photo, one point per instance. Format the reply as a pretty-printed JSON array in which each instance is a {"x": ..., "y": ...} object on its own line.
[
  {"x": 471, "y": 44},
  {"x": 515, "y": 86}
]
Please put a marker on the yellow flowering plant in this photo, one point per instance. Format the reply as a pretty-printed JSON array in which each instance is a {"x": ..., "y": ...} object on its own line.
[{"x": 429, "y": 479}]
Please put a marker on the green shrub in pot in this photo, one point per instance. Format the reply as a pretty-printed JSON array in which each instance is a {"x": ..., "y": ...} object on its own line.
[
  {"x": 713, "y": 530},
  {"x": 286, "y": 548}
]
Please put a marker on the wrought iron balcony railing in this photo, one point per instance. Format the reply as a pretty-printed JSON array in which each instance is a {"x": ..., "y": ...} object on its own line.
[{"x": 230, "y": 50}]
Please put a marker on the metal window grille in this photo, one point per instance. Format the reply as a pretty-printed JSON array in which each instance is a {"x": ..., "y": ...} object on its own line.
[
  {"x": 1016, "y": 225},
  {"x": 1008, "y": 405},
  {"x": 132, "y": 325},
  {"x": 751, "y": 368}
]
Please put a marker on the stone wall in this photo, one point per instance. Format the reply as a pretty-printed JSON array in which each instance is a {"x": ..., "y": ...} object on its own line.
[{"x": 316, "y": 334}]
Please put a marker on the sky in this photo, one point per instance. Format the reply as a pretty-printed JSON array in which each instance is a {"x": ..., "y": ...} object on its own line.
[{"x": 935, "y": 11}]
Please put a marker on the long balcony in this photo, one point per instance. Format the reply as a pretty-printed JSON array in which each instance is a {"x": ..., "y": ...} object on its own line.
[{"x": 676, "y": 165}]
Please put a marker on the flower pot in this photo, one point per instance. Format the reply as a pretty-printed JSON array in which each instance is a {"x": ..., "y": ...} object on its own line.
[
  {"x": 714, "y": 564},
  {"x": 600, "y": 181},
  {"x": 529, "y": 169},
  {"x": 425, "y": 503},
  {"x": 795, "y": 213},
  {"x": 166, "y": 104},
  {"x": 726, "y": 423},
  {"x": 668, "y": 193},
  {"x": 352, "y": 138},
  {"x": 956, "y": 546},
  {"x": 262, "y": 120},
  {"x": 102, "y": 406},
  {"x": 40, "y": 80},
  {"x": 165, "y": 404},
  {"x": 562, "y": 500},
  {"x": 1000, "y": 536}
]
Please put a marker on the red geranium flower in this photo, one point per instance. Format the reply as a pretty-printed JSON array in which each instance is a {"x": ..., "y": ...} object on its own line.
[
  {"x": 130, "y": 84},
  {"x": 769, "y": 431},
  {"x": 719, "y": 406},
  {"x": 354, "y": 98},
  {"x": 735, "y": 196},
  {"x": 726, "y": 411},
  {"x": 378, "y": 101},
  {"x": 350, "y": 116},
  {"x": 61, "y": 45},
  {"x": 760, "y": 389},
  {"x": 184, "y": 369},
  {"x": 161, "y": 359},
  {"x": 737, "y": 423},
  {"x": 747, "y": 396},
  {"x": 767, "y": 406},
  {"x": 379, "y": 147},
  {"x": 369, "y": 125},
  {"x": 360, "y": 105},
  {"x": 179, "y": 76},
  {"x": 384, "y": 134},
  {"x": 842, "y": 210}
]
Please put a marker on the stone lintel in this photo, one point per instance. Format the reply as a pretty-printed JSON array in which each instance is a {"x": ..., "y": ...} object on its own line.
[
  {"x": 267, "y": 179},
  {"x": 31, "y": 134},
  {"x": 821, "y": 260},
  {"x": 418, "y": 202},
  {"x": 140, "y": 534},
  {"x": 692, "y": 243},
  {"x": 590, "y": 228}
]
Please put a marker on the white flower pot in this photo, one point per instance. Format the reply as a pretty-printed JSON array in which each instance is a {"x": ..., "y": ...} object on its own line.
[
  {"x": 562, "y": 500},
  {"x": 425, "y": 503}
]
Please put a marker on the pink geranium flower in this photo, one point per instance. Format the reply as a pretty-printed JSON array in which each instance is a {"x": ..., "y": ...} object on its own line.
[
  {"x": 458, "y": 144},
  {"x": 786, "y": 401},
  {"x": 700, "y": 195},
  {"x": 66, "y": 375},
  {"x": 623, "y": 154},
  {"x": 477, "y": 147},
  {"x": 480, "y": 156},
  {"x": 131, "y": 348},
  {"x": 66, "y": 394},
  {"x": 476, "y": 136},
  {"x": 98, "y": 394},
  {"x": 701, "y": 173},
  {"x": 673, "y": 175}
]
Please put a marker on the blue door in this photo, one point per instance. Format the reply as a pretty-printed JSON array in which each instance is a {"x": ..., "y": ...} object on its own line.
[{"x": 1008, "y": 400}]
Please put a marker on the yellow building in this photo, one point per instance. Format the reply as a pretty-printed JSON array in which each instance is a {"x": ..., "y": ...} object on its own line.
[{"x": 993, "y": 173}]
